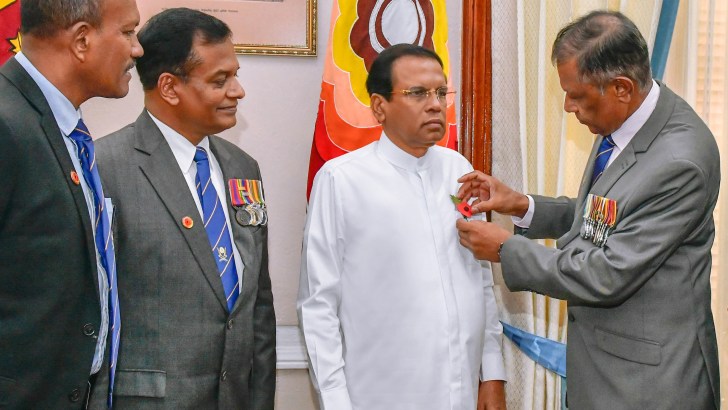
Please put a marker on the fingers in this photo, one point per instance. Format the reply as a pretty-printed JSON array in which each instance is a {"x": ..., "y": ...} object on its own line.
[
  {"x": 471, "y": 176},
  {"x": 481, "y": 206},
  {"x": 462, "y": 225}
]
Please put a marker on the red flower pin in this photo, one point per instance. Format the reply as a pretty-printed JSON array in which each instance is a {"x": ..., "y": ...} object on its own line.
[{"x": 462, "y": 207}]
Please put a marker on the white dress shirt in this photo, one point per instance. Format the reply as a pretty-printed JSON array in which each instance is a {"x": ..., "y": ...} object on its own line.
[
  {"x": 622, "y": 136},
  {"x": 67, "y": 117},
  {"x": 184, "y": 153},
  {"x": 396, "y": 314}
]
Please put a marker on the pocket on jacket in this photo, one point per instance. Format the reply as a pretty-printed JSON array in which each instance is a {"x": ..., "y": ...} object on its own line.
[
  {"x": 140, "y": 383},
  {"x": 7, "y": 386},
  {"x": 629, "y": 348}
]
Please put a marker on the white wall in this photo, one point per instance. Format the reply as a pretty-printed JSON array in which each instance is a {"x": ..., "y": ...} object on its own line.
[{"x": 275, "y": 125}]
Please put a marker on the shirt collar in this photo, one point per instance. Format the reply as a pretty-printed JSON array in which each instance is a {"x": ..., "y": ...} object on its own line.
[
  {"x": 182, "y": 148},
  {"x": 398, "y": 157},
  {"x": 624, "y": 134},
  {"x": 66, "y": 114}
]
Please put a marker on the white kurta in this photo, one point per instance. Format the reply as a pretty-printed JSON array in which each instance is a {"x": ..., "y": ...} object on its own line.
[{"x": 396, "y": 314}]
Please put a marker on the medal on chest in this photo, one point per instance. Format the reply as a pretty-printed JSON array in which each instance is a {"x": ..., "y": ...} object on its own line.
[
  {"x": 246, "y": 196},
  {"x": 600, "y": 217}
]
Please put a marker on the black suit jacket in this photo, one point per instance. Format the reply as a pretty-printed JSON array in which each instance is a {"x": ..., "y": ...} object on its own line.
[{"x": 49, "y": 301}]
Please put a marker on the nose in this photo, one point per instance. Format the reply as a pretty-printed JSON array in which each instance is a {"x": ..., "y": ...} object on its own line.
[
  {"x": 569, "y": 105},
  {"x": 434, "y": 103},
  {"x": 236, "y": 90},
  {"x": 136, "y": 48}
]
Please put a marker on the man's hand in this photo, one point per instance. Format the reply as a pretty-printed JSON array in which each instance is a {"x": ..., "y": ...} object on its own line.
[
  {"x": 482, "y": 238},
  {"x": 492, "y": 395},
  {"x": 492, "y": 195}
]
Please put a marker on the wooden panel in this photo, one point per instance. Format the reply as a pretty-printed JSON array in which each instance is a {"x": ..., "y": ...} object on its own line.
[{"x": 476, "y": 91}]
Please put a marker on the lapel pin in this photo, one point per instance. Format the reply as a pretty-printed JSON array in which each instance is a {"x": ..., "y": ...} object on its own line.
[
  {"x": 187, "y": 222},
  {"x": 74, "y": 178}
]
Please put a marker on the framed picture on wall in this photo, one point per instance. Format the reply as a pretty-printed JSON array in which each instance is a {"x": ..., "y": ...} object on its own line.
[{"x": 271, "y": 27}]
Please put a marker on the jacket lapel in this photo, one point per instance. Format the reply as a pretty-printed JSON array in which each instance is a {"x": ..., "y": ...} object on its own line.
[
  {"x": 16, "y": 74},
  {"x": 160, "y": 168}
]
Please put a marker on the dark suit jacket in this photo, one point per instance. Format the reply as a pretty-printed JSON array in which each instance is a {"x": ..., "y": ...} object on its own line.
[
  {"x": 641, "y": 332},
  {"x": 179, "y": 347},
  {"x": 48, "y": 282}
]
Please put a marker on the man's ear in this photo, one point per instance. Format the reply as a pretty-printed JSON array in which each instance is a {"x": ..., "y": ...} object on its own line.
[
  {"x": 80, "y": 34},
  {"x": 624, "y": 88},
  {"x": 378, "y": 105},
  {"x": 167, "y": 88}
]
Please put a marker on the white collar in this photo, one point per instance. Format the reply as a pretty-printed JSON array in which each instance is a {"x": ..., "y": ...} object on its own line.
[
  {"x": 66, "y": 114},
  {"x": 624, "y": 134},
  {"x": 398, "y": 157},
  {"x": 182, "y": 148}
]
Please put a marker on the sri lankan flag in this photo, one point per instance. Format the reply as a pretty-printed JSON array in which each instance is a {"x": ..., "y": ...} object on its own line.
[
  {"x": 360, "y": 30},
  {"x": 9, "y": 29}
]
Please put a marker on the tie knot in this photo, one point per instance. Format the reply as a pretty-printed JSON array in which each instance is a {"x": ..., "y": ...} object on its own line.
[
  {"x": 200, "y": 154},
  {"x": 80, "y": 133},
  {"x": 609, "y": 140}
]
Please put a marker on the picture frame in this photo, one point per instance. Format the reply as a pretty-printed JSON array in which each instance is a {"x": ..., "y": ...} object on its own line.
[{"x": 262, "y": 27}]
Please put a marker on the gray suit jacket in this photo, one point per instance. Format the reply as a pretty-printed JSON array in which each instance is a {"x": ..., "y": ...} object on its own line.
[
  {"x": 49, "y": 294},
  {"x": 179, "y": 347},
  {"x": 641, "y": 332}
]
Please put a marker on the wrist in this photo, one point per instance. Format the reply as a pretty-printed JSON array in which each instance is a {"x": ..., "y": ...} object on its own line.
[{"x": 522, "y": 206}]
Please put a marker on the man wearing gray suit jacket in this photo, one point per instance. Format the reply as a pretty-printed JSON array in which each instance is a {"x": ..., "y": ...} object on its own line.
[
  {"x": 191, "y": 234},
  {"x": 633, "y": 251}
]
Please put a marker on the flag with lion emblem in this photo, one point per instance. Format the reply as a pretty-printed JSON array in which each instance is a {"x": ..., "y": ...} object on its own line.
[{"x": 9, "y": 29}]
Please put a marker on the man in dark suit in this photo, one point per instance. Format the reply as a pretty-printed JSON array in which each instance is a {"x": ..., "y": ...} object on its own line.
[
  {"x": 54, "y": 288},
  {"x": 191, "y": 230},
  {"x": 633, "y": 250}
]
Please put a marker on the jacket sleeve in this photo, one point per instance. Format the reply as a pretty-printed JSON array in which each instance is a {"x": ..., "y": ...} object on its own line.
[{"x": 662, "y": 214}]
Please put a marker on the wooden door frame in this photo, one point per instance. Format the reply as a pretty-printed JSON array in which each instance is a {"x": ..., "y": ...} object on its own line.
[{"x": 476, "y": 103}]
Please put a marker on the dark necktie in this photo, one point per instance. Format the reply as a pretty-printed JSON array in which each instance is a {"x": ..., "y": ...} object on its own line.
[
  {"x": 600, "y": 163},
  {"x": 104, "y": 244},
  {"x": 217, "y": 228}
]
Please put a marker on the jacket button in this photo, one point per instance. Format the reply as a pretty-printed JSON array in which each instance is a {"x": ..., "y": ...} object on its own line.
[
  {"x": 88, "y": 329},
  {"x": 223, "y": 376},
  {"x": 230, "y": 324},
  {"x": 75, "y": 395},
  {"x": 571, "y": 318}
]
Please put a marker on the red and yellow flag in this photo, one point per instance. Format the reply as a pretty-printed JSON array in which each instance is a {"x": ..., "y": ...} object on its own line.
[
  {"x": 9, "y": 29},
  {"x": 360, "y": 30}
]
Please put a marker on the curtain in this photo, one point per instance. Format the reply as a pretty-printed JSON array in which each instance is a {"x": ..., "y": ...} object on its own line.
[{"x": 538, "y": 149}]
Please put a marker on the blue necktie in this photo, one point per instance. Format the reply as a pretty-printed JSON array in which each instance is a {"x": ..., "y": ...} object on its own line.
[
  {"x": 600, "y": 163},
  {"x": 104, "y": 244},
  {"x": 217, "y": 228}
]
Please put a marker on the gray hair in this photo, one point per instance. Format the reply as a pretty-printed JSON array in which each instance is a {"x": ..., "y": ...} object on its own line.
[
  {"x": 44, "y": 18},
  {"x": 606, "y": 44}
]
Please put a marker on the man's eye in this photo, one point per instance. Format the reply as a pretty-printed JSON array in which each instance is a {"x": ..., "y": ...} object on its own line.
[
  {"x": 418, "y": 93},
  {"x": 441, "y": 92}
]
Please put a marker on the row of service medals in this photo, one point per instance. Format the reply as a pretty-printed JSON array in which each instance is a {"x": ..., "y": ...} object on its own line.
[
  {"x": 600, "y": 216},
  {"x": 246, "y": 196}
]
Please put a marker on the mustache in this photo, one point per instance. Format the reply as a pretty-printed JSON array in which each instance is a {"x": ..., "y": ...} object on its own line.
[{"x": 131, "y": 66}]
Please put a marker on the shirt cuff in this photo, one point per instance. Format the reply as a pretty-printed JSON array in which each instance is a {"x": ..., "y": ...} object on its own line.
[
  {"x": 525, "y": 222},
  {"x": 336, "y": 399},
  {"x": 492, "y": 367}
]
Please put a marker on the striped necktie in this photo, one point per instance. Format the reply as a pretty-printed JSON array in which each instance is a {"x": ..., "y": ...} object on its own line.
[
  {"x": 104, "y": 244},
  {"x": 600, "y": 163},
  {"x": 217, "y": 228}
]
